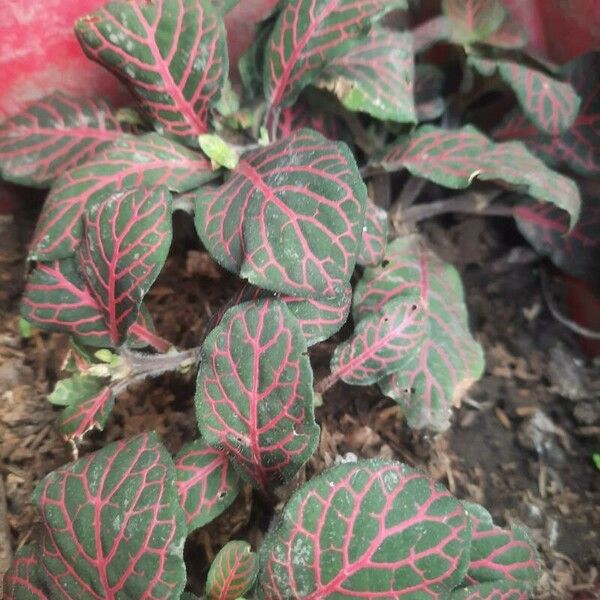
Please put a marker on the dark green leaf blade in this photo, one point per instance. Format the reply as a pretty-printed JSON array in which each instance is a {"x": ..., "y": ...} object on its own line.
[
  {"x": 376, "y": 76},
  {"x": 499, "y": 554},
  {"x": 53, "y": 135},
  {"x": 172, "y": 54},
  {"x": 57, "y": 298},
  {"x": 579, "y": 147},
  {"x": 232, "y": 572},
  {"x": 22, "y": 581},
  {"x": 126, "y": 241},
  {"x": 374, "y": 236},
  {"x": 289, "y": 217},
  {"x": 454, "y": 158},
  {"x": 547, "y": 230},
  {"x": 449, "y": 360},
  {"x": 129, "y": 163},
  {"x": 370, "y": 529},
  {"x": 307, "y": 35},
  {"x": 254, "y": 396},
  {"x": 382, "y": 343},
  {"x": 86, "y": 413},
  {"x": 206, "y": 483},
  {"x": 112, "y": 525},
  {"x": 552, "y": 105}
]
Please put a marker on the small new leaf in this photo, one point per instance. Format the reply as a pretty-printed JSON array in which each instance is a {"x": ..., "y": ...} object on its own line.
[
  {"x": 219, "y": 151},
  {"x": 232, "y": 572}
]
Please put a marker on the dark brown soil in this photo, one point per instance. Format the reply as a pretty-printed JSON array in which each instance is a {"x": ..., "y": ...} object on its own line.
[{"x": 521, "y": 444}]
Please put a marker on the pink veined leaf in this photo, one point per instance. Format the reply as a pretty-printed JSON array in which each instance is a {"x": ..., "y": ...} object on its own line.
[
  {"x": 129, "y": 163},
  {"x": 374, "y": 236},
  {"x": 302, "y": 115},
  {"x": 53, "y": 135},
  {"x": 173, "y": 55},
  {"x": 254, "y": 396},
  {"x": 87, "y": 414},
  {"x": 232, "y": 572},
  {"x": 319, "y": 318},
  {"x": 552, "y": 105},
  {"x": 373, "y": 529},
  {"x": 510, "y": 35},
  {"x": 579, "y": 146},
  {"x": 439, "y": 371},
  {"x": 112, "y": 526},
  {"x": 21, "y": 581},
  {"x": 431, "y": 32},
  {"x": 454, "y": 158},
  {"x": 381, "y": 344},
  {"x": 307, "y": 35},
  {"x": 376, "y": 76},
  {"x": 499, "y": 554},
  {"x": 497, "y": 590},
  {"x": 126, "y": 241},
  {"x": 57, "y": 298},
  {"x": 473, "y": 21},
  {"x": 289, "y": 217},
  {"x": 547, "y": 230},
  {"x": 206, "y": 483}
]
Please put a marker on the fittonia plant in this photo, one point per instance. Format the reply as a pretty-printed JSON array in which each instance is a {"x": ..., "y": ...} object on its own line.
[{"x": 288, "y": 177}]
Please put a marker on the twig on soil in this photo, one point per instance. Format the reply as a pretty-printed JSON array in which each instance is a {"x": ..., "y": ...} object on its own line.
[{"x": 557, "y": 314}]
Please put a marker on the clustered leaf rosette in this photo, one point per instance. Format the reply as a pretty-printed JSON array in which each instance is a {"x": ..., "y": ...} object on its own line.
[{"x": 112, "y": 527}]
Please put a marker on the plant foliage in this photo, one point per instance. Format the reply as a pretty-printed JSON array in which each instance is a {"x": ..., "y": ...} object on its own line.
[{"x": 289, "y": 177}]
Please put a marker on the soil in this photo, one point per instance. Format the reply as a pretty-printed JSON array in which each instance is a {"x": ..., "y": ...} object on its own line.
[{"x": 521, "y": 443}]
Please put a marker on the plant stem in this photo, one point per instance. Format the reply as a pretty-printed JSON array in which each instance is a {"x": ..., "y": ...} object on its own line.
[
  {"x": 410, "y": 192},
  {"x": 430, "y": 32},
  {"x": 141, "y": 365},
  {"x": 470, "y": 203}
]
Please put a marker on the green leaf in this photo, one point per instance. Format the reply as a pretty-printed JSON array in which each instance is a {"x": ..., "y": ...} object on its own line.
[
  {"x": 219, "y": 151},
  {"x": 440, "y": 370},
  {"x": 374, "y": 236},
  {"x": 372, "y": 529},
  {"x": 87, "y": 412},
  {"x": 232, "y": 572},
  {"x": 52, "y": 135},
  {"x": 112, "y": 526},
  {"x": 25, "y": 328},
  {"x": 172, "y": 54},
  {"x": 579, "y": 147},
  {"x": 550, "y": 104},
  {"x": 473, "y": 21},
  {"x": 206, "y": 483},
  {"x": 126, "y": 241},
  {"x": 22, "y": 581},
  {"x": 57, "y": 298},
  {"x": 455, "y": 158},
  {"x": 129, "y": 163},
  {"x": 307, "y": 35},
  {"x": 376, "y": 76},
  {"x": 497, "y": 590},
  {"x": 500, "y": 554},
  {"x": 381, "y": 343},
  {"x": 289, "y": 217},
  {"x": 254, "y": 395},
  {"x": 71, "y": 390}
]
